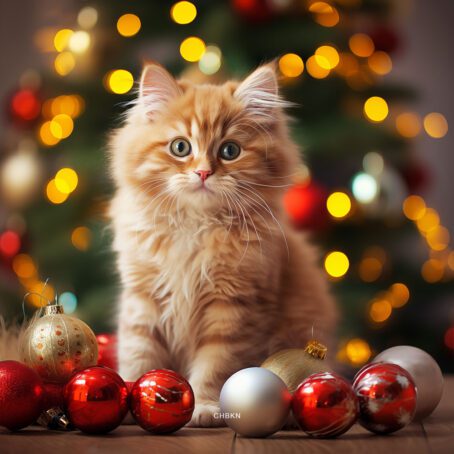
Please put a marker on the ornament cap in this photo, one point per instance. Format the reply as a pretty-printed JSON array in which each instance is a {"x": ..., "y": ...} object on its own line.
[
  {"x": 53, "y": 309},
  {"x": 316, "y": 349}
]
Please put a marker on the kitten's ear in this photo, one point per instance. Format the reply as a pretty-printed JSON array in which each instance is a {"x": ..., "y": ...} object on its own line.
[
  {"x": 157, "y": 88},
  {"x": 259, "y": 92}
]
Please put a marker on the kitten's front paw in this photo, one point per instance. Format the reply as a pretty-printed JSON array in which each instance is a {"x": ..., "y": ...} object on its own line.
[{"x": 206, "y": 415}]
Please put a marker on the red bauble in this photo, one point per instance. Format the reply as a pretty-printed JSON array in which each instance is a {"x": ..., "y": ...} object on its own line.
[
  {"x": 21, "y": 391},
  {"x": 107, "y": 350},
  {"x": 306, "y": 205},
  {"x": 161, "y": 401},
  {"x": 387, "y": 397},
  {"x": 53, "y": 396},
  {"x": 324, "y": 405},
  {"x": 96, "y": 400}
]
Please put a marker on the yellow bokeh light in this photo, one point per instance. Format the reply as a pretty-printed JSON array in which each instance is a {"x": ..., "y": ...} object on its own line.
[
  {"x": 438, "y": 238},
  {"x": 380, "y": 63},
  {"x": 338, "y": 204},
  {"x": 380, "y": 310},
  {"x": 128, "y": 25},
  {"x": 61, "y": 39},
  {"x": 192, "y": 49},
  {"x": 72, "y": 105},
  {"x": 24, "y": 266},
  {"x": 61, "y": 126},
  {"x": 46, "y": 291},
  {"x": 361, "y": 45},
  {"x": 336, "y": 264},
  {"x": 436, "y": 125},
  {"x": 330, "y": 57},
  {"x": 432, "y": 270},
  {"x": 399, "y": 294},
  {"x": 120, "y": 81},
  {"x": 314, "y": 68},
  {"x": 66, "y": 180},
  {"x": 64, "y": 63},
  {"x": 414, "y": 207},
  {"x": 348, "y": 64},
  {"x": 79, "y": 42},
  {"x": 54, "y": 194},
  {"x": 81, "y": 238},
  {"x": 376, "y": 109},
  {"x": 183, "y": 12},
  {"x": 46, "y": 135},
  {"x": 408, "y": 124},
  {"x": 370, "y": 269},
  {"x": 429, "y": 220},
  {"x": 87, "y": 17},
  {"x": 324, "y": 14},
  {"x": 291, "y": 65},
  {"x": 358, "y": 351}
]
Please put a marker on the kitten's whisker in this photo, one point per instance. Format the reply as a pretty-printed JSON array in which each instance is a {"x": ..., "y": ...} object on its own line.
[
  {"x": 247, "y": 228},
  {"x": 223, "y": 194},
  {"x": 266, "y": 185}
]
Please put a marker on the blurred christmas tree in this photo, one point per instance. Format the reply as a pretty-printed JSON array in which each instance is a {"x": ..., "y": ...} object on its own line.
[{"x": 385, "y": 251}]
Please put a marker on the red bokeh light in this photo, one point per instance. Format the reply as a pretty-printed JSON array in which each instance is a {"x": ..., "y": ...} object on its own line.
[
  {"x": 25, "y": 105},
  {"x": 449, "y": 338},
  {"x": 9, "y": 243}
]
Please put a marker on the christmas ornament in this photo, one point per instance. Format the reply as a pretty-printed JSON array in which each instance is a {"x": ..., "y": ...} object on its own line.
[
  {"x": 54, "y": 419},
  {"x": 386, "y": 395},
  {"x": 255, "y": 402},
  {"x": 96, "y": 400},
  {"x": 293, "y": 365},
  {"x": 324, "y": 405},
  {"x": 57, "y": 345},
  {"x": 425, "y": 373},
  {"x": 161, "y": 401},
  {"x": 107, "y": 350},
  {"x": 21, "y": 391},
  {"x": 305, "y": 204},
  {"x": 53, "y": 395}
]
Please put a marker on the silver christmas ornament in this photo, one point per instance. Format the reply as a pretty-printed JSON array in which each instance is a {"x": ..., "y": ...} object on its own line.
[
  {"x": 425, "y": 372},
  {"x": 255, "y": 402}
]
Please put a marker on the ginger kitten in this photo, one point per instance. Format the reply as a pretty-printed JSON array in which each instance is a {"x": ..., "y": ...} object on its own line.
[{"x": 214, "y": 279}]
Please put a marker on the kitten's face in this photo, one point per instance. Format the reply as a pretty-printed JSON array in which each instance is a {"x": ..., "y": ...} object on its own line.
[{"x": 208, "y": 147}]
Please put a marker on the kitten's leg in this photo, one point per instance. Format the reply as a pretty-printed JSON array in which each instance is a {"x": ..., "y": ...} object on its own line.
[{"x": 141, "y": 347}]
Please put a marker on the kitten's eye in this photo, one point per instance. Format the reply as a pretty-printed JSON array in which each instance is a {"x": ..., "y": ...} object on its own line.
[
  {"x": 180, "y": 147},
  {"x": 229, "y": 151}
]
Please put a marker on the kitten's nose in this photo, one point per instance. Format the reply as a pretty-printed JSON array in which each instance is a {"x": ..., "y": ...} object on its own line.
[{"x": 203, "y": 174}]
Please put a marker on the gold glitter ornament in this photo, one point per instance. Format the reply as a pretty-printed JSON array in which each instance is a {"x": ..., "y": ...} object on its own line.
[{"x": 57, "y": 345}]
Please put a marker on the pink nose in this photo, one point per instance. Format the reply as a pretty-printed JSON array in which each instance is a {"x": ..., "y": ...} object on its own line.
[{"x": 203, "y": 174}]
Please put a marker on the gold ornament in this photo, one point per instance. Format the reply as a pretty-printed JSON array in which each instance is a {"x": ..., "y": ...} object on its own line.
[
  {"x": 57, "y": 345},
  {"x": 293, "y": 365}
]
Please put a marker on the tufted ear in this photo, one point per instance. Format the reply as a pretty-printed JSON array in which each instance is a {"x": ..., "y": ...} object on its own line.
[
  {"x": 259, "y": 92},
  {"x": 157, "y": 88}
]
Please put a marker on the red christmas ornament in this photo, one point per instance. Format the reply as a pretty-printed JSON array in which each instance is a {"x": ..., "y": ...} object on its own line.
[
  {"x": 324, "y": 405},
  {"x": 96, "y": 400},
  {"x": 387, "y": 397},
  {"x": 53, "y": 396},
  {"x": 21, "y": 391},
  {"x": 306, "y": 205},
  {"x": 107, "y": 350},
  {"x": 25, "y": 106},
  {"x": 161, "y": 401}
]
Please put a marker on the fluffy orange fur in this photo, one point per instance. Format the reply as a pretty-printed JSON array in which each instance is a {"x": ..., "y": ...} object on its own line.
[{"x": 214, "y": 279}]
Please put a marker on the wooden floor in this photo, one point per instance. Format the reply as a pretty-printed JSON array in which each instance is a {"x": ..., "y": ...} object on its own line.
[{"x": 434, "y": 436}]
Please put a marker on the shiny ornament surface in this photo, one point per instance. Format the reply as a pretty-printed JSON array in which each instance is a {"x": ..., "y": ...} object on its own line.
[
  {"x": 161, "y": 401},
  {"x": 21, "y": 391},
  {"x": 325, "y": 406},
  {"x": 255, "y": 402},
  {"x": 387, "y": 397},
  {"x": 293, "y": 365},
  {"x": 53, "y": 396},
  {"x": 425, "y": 372},
  {"x": 96, "y": 400},
  {"x": 107, "y": 350},
  {"x": 57, "y": 345}
]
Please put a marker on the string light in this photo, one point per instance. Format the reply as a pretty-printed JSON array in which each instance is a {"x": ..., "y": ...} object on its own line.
[
  {"x": 54, "y": 195},
  {"x": 46, "y": 290},
  {"x": 64, "y": 63},
  {"x": 291, "y": 65},
  {"x": 436, "y": 125},
  {"x": 432, "y": 270},
  {"x": 81, "y": 238},
  {"x": 66, "y": 180},
  {"x": 348, "y": 64},
  {"x": 373, "y": 163},
  {"x": 358, "y": 351},
  {"x": 327, "y": 57},
  {"x": 336, "y": 264},
  {"x": 380, "y": 63},
  {"x": 24, "y": 266},
  {"x": 72, "y": 105},
  {"x": 324, "y": 14},
  {"x": 314, "y": 68},
  {"x": 414, "y": 207},
  {"x": 79, "y": 42},
  {"x": 46, "y": 136},
  {"x": 192, "y": 49},
  {"x": 361, "y": 45},
  {"x": 128, "y": 25},
  {"x": 429, "y": 220},
  {"x": 87, "y": 17},
  {"x": 376, "y": 109},
  {"x": 380, "y": 310},
  {"x": 364, "y": 187},
  {"x": 438, "y": 238},
  {"x": 399, "y": 295},
  {"x": 338, "y": 204},
  {"x": 408, "y": 124},
  {"x": 211, "y": 60},
  {"x": 61, "y": 126},
  {"x": 61, "y": 39},
  {"x": 370, "y": 269},
  {"x": 120, "y": 81},
  {"x": 183, "y": 12}
]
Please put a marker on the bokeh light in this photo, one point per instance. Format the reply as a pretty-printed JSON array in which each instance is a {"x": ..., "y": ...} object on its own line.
[
  {"x": 414, "y": 207},
  {"x": 81, "y": 238},
  {"x": 314, "y": 69},
  {"x": 338, "y": 204},
  {"x": 358, "y": 351},
  {"x": 61, "y": 126},
  {"x": 183, "y": 12},
  {"x": 211, "y": 60},
  {"x": 364, "y": 187},
  {"x": 64, "y": 63},
  {"x": 120, "y": 81},
  {"x": 72, "y": 105},
  {"x": 47, "y": 293},
  {"x": 373, "y": 163},
  {"x": 69, "y": 302},
  {"x": 432, "y": 271},
  {"x": 291, "y": 65},
  {"x": 399, "y": 294},
  {"x": 376, "y": 109},
  {"x": 361, "y": 45},
  {"x": 324, "y": 14},
  {"x": 79, "y": 42},
  {"x": 128, "y": 25},
  {"x": 408, "y": 124},
  {"x": 24, "y": 266},
  {"x": 380, "y": 310},
  {"x": 66, "y": 180},
  {"x": 370, "y": 269},
  {"x": 46, "y": 135},
  {"x": 329, "y": 57},
  {"x": 380, "y": 63},
  {"x": 54, "y": 195},
  {"x": 9, "y": 243},
  {"x": 449, "y": 338},
  {"x": 192, "y": 49},
  {"x": 87, "y": 17},
  {"x": 435, "y": 125},
  {"x": 429, "y": 220},
  {"x": 336, "y": 264},
  {"x": 61, "y": 39},
  {"x": 438, "y": 238}
]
